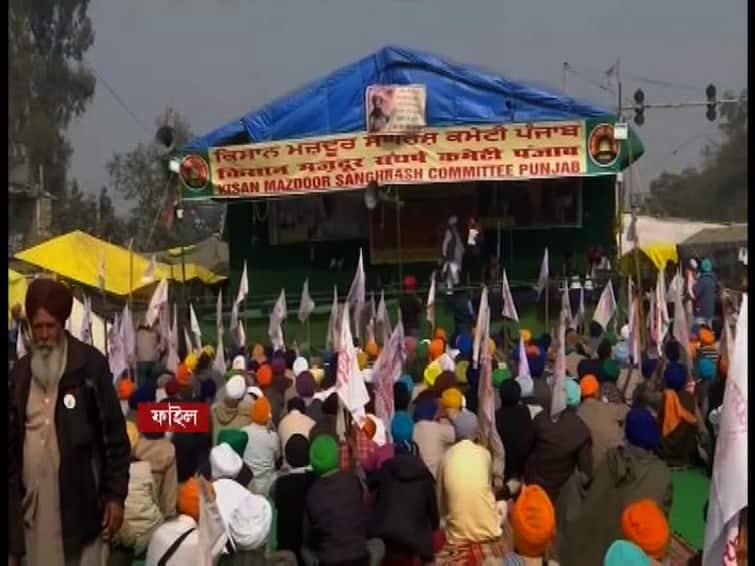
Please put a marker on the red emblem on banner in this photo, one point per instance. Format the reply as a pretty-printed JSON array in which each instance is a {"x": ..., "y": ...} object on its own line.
[{"x": 173, "y": 417}]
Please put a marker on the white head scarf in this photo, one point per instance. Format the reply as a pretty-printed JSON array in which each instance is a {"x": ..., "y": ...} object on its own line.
[
  {"x": 235, "y": 388},
  {"x": 247, "y": 517},
  {"x": 300, "y": 365},
  {"x": 239, "y": 363},
  {"x": 224, "y": 462}
]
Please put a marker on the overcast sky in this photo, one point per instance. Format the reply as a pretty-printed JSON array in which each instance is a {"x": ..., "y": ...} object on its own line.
[{"x": 218, "y": 59}]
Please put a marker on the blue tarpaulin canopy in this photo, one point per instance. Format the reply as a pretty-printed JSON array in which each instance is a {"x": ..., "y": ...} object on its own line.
[{"x": 456, "y": 95}]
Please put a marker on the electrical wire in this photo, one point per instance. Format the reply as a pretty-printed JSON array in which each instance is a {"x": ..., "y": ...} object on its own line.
[{"x": 117, "y": 97}]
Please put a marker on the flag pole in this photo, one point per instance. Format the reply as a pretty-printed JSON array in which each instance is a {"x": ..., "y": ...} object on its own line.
[{"x": 546, "y": 302}]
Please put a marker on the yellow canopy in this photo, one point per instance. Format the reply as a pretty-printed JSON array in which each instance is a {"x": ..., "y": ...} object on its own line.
[
  {"x": 77, "y": 256},
  {"x": 654, "y": 255},
  {"x": 16, "y": 289}
]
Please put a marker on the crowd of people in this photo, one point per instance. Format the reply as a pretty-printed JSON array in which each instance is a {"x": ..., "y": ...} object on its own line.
[{"x": 285, "y": 475}]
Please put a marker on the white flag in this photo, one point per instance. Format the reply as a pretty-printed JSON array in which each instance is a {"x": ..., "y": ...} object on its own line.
[
  {"x": 306, "y": 304},
  {"x": 430, "y": 308},
  {"x": 149, "y": 273},
  {"x": 116, "y": 353},
  {"x": 480, "y": 340},
  {"x": 172, "y": 360},
  {"x": 578, "y": 318},
  {"x": 681, "y": 331},
  {"x": 350, "y": 381},
  {"x": 218, "y": 363},
  {"x": 128, "y": 335},
  {"x": 524, "y": 365},
  {"x": 565, "y": 316},
  {"x": 277, "y": 317},
  {"x": 332, "y": 336},
  {"x": 387, "y": 371},
  {"x": 485, "y": 393},
  {"x": 195, "y": 328},
  {"x": 243, "y": 286},
  {"x": 728, "y": 493},
  {"x": 509, "y": 308},
  {"x": 101, "y": 272},
  {"x": 542, "y": 278},
  {"x": 187, "y": 341},
  {"x": 357, "y": 296},
  {"x": 159, "y": 298},
  {"x": 383, "y": 321},
  {"x": 85, "y": 331},
  {"x": 558, "y": 394},
  {"x": 606, "y": 306},
  {"x": 634, "y": 325},
  {"x": 660, "y": 319}
]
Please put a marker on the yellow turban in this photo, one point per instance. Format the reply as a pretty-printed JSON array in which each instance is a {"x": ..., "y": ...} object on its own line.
[{"x": 432, "y": 371}]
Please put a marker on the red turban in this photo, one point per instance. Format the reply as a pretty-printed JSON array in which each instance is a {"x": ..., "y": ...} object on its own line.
[{"x": 50, "y": 295}]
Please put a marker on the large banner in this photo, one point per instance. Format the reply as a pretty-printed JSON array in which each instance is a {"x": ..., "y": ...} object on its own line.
[{"x": 434, "y": 155}]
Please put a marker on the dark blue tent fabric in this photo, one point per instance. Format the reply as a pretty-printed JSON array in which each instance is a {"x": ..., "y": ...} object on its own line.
[{"x": 456, "y": 94}]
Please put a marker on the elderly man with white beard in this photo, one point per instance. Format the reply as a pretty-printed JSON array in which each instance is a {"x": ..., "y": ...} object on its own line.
[{"x": 74, "y": 447}]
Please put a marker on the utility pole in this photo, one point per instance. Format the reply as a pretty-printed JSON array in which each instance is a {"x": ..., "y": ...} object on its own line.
[{"x": 564, "y": 72}]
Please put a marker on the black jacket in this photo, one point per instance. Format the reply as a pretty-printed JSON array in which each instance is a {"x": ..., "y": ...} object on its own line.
[
  {"x": 405, "y": 513},
  {"x": 514, "y": 426},
  {"x": 289, "y": 492},
  {"x": 336, "y": 517},
  {"x": 16, "y": 545},
  {"x": 94, "y": 448}
]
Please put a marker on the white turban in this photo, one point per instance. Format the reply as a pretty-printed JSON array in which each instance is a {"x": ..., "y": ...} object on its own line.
[
  {"x": 248, "y": 517},
  {"x": 224, "y": 462},
  {"x": 239, "y": 363},
  {"x": 368, "y": 374},
  {"x": 446, "y": 363},
  {"x": 235, "y": 388},
  {"x": 625, "y": 332},
  {"x": 300, "y": 365},
  {"x": 255, "y": 391}
]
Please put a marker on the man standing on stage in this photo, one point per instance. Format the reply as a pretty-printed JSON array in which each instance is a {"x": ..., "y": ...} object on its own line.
[
  {"x": 74, "y": 447},
  {"x": 473, "y": 253},
  {"x": 453, "y": 252}
]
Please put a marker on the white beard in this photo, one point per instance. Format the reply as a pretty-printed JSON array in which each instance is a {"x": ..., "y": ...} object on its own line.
[{"x": 46, "y": 365}]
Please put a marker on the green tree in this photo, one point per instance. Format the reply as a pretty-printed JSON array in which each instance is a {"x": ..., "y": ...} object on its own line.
[
  {"x": 48, "y": 84},
  {"x": 716, "y": 190}
]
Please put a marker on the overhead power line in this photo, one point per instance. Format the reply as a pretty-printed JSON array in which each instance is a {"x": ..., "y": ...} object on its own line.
[{"x": 117, "y": 97}]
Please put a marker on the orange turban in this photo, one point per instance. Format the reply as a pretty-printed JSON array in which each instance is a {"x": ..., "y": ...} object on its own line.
[
  {"x": 533, "y": 351},
  {"x": 261, "y": 411},
  {"x": 188, "y": 498},
  {"x": 440, "y": 334},
  {"x": 525, "y": 335},
  {"x": 369, "y": 428},
  {"x": 451, "y": 399},
  {"x": 264, "y": 375},
  {"x": 706, "y": 336},
  {"x": 371, "y": 349},
  {"x": 126, "y": 388},
  {"x": 436, "y": 349},
  {"x": 644, "y": 524},
  {"x": 589, "y": 386},
  {"x": 183, "y": 376},
  {"x": 534, "y": 522},
  {"x": 491, "y": 346}
]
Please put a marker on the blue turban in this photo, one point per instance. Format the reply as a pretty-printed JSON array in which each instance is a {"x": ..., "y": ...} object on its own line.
[
  {"x": 145, "y": 394},
  {"x": 402, "y": 427},
  {"x": 544, "y": 341},
  {"x": 425, "y": 411},
  {"x": 675, "y": 376},
  {"x": 642, "y": 429},
  {"x": 464, "y": 344},
  {"x": 625, "y": 553},
  {"x": 573, "y": 394},
  {"x": 537, "y": 365},
  {"x": 408, "y": 382},
  {"x": 706, "y": 266},
  {"x": 706, "y": 369},
  {"x": 648, "y": 367}
]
